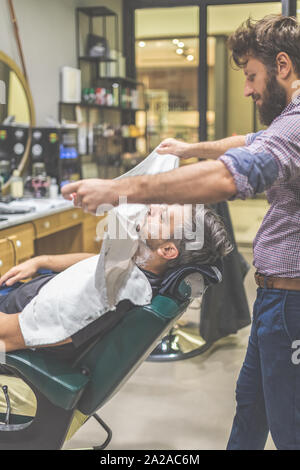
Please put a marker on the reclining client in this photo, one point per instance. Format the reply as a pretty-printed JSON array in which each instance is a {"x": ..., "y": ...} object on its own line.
[{"x": 29, "y": 303}]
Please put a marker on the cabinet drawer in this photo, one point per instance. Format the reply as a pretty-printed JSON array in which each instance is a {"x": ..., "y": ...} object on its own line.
[
  {"x": 46, "y": 225},
  {"x": 91, "y": 236},
  {"x": 7, "y": 256},
  {"x": 22, "y": 241},
  {"x": 70, "y": 218}
]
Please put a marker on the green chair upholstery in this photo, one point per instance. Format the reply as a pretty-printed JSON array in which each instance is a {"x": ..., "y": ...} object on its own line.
[{"x": 93, "y": 378}]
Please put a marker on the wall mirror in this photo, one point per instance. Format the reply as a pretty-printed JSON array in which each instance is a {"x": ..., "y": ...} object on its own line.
[{"x": 15, "y": 101}]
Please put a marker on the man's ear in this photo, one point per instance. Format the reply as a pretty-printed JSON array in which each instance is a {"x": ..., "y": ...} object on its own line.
[
  {"x": 284, "y": 65},
  {"x": 168, "y": 251}
]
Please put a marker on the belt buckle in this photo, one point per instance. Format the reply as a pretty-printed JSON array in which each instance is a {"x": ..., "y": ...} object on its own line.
[{"x": 263, "y": 281}]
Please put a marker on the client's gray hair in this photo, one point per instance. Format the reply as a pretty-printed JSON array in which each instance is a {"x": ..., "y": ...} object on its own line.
[{"x": 216, "y": 243}]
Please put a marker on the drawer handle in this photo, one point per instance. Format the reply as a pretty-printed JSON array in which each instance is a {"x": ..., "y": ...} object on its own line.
[
  {"x": 18, "y": 243},
  {"x": 46, "y": 224},
  {"x": 1, "y": 263}
]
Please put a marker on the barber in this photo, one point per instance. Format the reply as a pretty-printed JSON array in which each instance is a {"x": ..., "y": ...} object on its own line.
[{"x": 268, "y": 387}]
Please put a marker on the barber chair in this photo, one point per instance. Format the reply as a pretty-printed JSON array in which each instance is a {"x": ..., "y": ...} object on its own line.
[
  {"x": 69, "y": 391},
  {"x": 182, "y": 342}
]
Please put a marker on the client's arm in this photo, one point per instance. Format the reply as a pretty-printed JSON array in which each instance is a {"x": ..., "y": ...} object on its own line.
[
  {"x": 30, "y": 267},
  {"x": 11, "y": 338}
]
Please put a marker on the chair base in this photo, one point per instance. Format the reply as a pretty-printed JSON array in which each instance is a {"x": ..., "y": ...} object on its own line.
[
  {"x": 108, "y": 431},
  {"x": 181, "y": 343}
]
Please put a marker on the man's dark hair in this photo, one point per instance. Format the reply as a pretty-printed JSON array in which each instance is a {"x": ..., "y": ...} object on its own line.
[
  {"x": 264, "y": 39},
  {"x": 217, "y": 243}
]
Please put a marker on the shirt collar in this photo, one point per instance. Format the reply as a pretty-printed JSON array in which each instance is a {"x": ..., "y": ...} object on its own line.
[{"x": 293, "y": 103}]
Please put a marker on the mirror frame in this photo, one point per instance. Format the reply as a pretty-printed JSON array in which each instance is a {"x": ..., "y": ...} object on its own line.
[{"x": 23, "y": 164}]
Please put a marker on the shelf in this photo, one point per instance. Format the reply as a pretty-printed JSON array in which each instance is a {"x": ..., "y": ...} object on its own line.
[
  {"x": 100, "y": 106},
  {"x": 96, "y": 59},
  {"x": 96, "y": 11},
  {"x": 121, "y": 79},
  {"x": 143, "y": 136},
  {"x": 133, "y": 109}
]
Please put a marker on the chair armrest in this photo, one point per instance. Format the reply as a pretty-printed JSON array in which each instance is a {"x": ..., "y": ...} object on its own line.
[{"x": 57, "y": 380}]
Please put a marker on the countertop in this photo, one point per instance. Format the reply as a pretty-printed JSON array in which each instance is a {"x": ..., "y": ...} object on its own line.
[{"x": 40, "y": 208}]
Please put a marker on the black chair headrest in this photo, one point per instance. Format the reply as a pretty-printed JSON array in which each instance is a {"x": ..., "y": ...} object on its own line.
[{"x": 211, "y": 274}]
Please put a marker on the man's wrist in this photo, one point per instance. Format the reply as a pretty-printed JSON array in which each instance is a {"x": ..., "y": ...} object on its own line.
[
  {"x": 41, "y": 262},
  {"x": 195, "y": 150},
  {"x": 128, "y": 189}
]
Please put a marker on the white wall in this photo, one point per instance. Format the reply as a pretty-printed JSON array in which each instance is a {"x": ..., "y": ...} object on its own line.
[{"x": 47, "y": 32}]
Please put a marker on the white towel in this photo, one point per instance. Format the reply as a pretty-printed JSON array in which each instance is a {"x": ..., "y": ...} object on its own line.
[
  {"x": 82, "y": 293},
  {"x": 116, "y": 256}
]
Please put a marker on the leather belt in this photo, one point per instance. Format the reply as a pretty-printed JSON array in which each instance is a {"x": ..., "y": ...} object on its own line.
[{"x": 269, "y": 282}]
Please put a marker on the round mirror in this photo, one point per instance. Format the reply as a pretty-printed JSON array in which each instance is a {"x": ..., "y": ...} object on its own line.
[{"x": 17, "y": 116}]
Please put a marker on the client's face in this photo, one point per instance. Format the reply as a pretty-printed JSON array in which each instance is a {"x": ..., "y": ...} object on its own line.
[{"x": 161, "y": 224}]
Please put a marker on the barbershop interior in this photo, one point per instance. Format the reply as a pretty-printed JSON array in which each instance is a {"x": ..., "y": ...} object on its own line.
[{"x": 89, "y": 89}]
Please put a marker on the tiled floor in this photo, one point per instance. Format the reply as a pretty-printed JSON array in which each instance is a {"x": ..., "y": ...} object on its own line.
[{"x": 178, "y": 405}]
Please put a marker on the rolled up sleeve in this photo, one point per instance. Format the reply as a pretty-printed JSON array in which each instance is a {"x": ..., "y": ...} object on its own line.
[
  {"x": 250, "y": 138},
  {"x": 270, "y": 156},
  {"x": 252, "y": 173}
]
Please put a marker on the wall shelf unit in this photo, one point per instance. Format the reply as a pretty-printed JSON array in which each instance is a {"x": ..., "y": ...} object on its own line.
[{"x": 111, "y": 116}]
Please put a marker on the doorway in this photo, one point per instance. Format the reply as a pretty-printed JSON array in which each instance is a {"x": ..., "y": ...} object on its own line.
[{"x": 179, "y": 52}]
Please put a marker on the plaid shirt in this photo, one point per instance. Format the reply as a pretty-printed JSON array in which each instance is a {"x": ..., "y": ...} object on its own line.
[{"x": 271, "y": 161}]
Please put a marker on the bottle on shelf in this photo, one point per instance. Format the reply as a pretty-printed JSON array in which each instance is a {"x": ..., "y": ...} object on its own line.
[
  {"x": 100, "y": 96},
  {"x": 53, "y": 189},
  {"x": 16, "y": 185},
  {"x": 115, "y": 92},
  {"x": 92, "y": 96},
  {"x": 109, "y": 98},
  {"x": 85, "y": 95}
]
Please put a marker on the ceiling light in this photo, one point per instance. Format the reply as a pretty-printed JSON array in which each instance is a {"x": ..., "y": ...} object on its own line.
[
  {"x": 181, "y": 44},
  {"x": 179, "y": 51},
  {"x": 175, "y": 41},
  {"x": 190, "y": 57},
  {"x": 142, "y": 44}
]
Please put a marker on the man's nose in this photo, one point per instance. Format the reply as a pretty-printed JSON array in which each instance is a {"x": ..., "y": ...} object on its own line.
[{"x": 248, "y": 90}]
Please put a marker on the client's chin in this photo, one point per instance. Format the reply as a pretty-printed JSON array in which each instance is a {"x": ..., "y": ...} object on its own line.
[{"x": 143, "y": 255}]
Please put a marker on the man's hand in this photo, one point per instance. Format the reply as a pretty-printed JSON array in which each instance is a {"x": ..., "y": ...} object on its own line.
[
  {"x": 175, "y": 147},
  {"x": 89, "y": 194},
  {"x": 21, "y": 271}
]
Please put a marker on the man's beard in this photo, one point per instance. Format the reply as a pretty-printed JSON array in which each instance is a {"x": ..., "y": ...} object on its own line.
[
  {"x": 143, "y": 254},
  {"x": 274, "y": 100}
]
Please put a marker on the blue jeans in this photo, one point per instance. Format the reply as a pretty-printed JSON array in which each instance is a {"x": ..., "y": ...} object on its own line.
[{"x": 268, "y": 387}]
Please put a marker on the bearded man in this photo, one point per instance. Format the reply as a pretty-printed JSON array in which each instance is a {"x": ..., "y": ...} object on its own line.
[{"x": 268, "y": 51}]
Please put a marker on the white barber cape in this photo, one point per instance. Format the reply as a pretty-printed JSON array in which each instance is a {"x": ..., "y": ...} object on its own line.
[{"x": 82, "y": 293}]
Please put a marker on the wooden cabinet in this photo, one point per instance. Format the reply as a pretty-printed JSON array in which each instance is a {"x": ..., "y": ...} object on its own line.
[
  {"x": 70, "y": 218},
  {"x": 92, "y": 233},
  {"x": 46, "y": 225},
  {"x": 21, "y": 241},
  {"x": 7, "y": 255},
  {"x": 57, "y": 222},
  {"x": 68, "y": 231}
]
